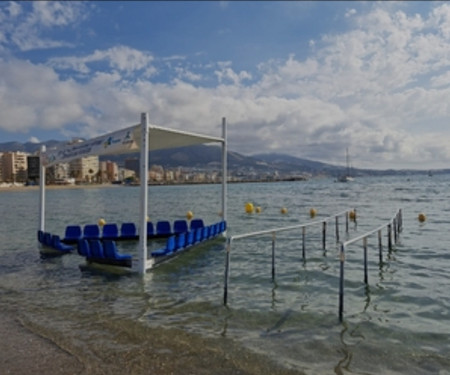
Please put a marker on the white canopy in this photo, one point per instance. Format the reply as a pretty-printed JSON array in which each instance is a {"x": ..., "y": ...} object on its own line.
[{"x": 124, "y": 141}]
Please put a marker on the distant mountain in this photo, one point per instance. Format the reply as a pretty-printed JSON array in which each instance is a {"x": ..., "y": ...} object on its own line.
[{"x": 291, "y": 162}]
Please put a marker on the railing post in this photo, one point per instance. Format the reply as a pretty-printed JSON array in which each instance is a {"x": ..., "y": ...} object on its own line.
[
  {"x": 337, "y": 228},
  {"x": 346, "y": 222},
  {"x": 400, "y": 221},
  {"x": 389, "y": 229},
  {"x": 273, "y": 255},
  {"x": 380, "y": 247},
  {"x": 227, "y": 271},
  {"x": 304, "y": 243},
  {"x": 395, "y": 229},
  {"x": 341, "y": 284},
  {"x": 366, "y": 279},
  {"x": 324, "y": 235}
]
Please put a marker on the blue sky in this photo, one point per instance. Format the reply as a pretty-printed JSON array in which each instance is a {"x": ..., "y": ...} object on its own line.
[{"x": 308, "y": 79}]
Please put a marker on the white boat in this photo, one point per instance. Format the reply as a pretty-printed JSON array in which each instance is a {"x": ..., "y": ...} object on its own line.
[{"x": 347, "y": 177}]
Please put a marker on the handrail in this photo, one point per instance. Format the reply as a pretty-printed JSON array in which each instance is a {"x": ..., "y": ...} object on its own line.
[
  {"x": 394, "y": 224},
  {"x": 274, "y": 231}
]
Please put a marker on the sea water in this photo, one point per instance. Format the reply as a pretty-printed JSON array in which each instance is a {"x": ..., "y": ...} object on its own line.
[{"x": 396, "y": 324}]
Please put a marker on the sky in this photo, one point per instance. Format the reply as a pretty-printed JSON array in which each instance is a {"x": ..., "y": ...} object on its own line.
[{"x": 307, "y": 79}]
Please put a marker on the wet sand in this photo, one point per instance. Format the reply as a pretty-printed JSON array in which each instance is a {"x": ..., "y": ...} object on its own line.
[{"x": 24, "y": 350}]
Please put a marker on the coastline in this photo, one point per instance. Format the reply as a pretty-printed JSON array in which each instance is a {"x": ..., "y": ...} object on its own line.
[{"x": 56, "y": 187}]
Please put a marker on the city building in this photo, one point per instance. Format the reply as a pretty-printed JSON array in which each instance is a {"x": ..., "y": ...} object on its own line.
[
  {"x": 14, "y": 166},
  {"x": 85, "y": 169}
]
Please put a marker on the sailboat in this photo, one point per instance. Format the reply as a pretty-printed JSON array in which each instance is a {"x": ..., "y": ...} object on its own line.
[{"x": 346, "y": 177}]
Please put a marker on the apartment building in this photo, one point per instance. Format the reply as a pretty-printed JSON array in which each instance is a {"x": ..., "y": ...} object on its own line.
[
  {"x": 14, "y": 166},
  {"x": 85, "y": 169}
]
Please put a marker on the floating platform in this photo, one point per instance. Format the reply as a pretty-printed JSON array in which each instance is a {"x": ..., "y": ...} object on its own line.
[{"x": 98, "y": 245}]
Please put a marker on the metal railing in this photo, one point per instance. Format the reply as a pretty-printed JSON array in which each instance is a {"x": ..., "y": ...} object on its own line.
[
  {"x": 273, "y": 232},
  {"x": 395, "y": 226}
]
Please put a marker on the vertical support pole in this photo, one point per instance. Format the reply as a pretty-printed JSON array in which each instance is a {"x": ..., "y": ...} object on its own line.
[
  {"x": 366, "y": 279},
  {"x": 389, "y": 230},
  {"x": 324, "y": 235},
  {"x": 337, "y": 228},
  {"x": 42, "y": 172},
  {"x": 380, "y": 247},
  {"x": 143, "y": 171},
  {"x": 227, "y": 272},
  {"x": 395, "y": 230},
  {"x": 341, "y": 284},
  {"x": 400, "y": 220},
  {"x": 273, "y": 255},
  {"x": 304, "y": 243},
  {"x": 224, "y": 170},
  {"x": 346, "y": 222}
]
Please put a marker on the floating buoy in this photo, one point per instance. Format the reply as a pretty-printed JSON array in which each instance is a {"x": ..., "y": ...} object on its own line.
[
  {"x": 249, "y": 208},
  {"x": 312, "y": 212},
  {"x": 422, "y": 217},
  {"x": 101, "y": 222},
  {"x": 258, "y": 210},
  {"x": 284, "y": 210},
  {"x": 189, "y": 215},
  {"x": 352, "y": 215}
]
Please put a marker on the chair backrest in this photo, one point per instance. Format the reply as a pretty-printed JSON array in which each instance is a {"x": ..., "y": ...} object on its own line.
[
  {"x": 206, "y": 233},
  {"x": 163, "y": 227},
  {"x": 56, "y": 240},
  {"x": 197, "y": 223},
  {"x": 181, "y": 241},
  {"x": 198, "y": 235},
  {"x": 110, "y": 231},
  {"x": 180, "y": 226},
  {"x": 96, "y": 249},
  {"x": 170, "y": 244},
  {"x": 83, "y": 248},
  {"x": 150, "y": 229},
  {"x": 73, "y": 232},
  {"x": 128, "y": 230},
  {"x": 91, "y": 231},
  {"x": 47, "y": 239},
  {"x": 212, "y": 229},
  {"x": 190, "y": 238},
  {"x": 223, "y": 226},
  {"x": 109, "y": 249},
  {"x": 40, "y": 235}
]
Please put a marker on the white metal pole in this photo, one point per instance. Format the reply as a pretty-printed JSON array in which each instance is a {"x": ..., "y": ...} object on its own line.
[
  {"x": 224, "y": 170},
  {"x": 142, "y": 264},
  {"x": 42, "y": 190}
]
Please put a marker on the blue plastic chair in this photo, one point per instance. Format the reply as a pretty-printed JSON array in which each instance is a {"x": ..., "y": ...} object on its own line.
[
  {"x": 150, "y": 229},
  {"x": 73, "y": 234},
  {"x": 181, "y": 241},
  {"x": 58, "y": 245},
  {"x": 84, "y": 249},
  {"x": 180, "y": 226},
  {"x": 223, "y": 226},
  {"x": 212, "y": 229},
  {"x": 110, "y": 232},
  {"x": 91, "y": 232},
  {"x": 169, "y": 249},
  {"x": 110, "y": 251},
  {"x": 206, "y": 232},
  {"x": 47, "y": 239},
  {"x": 190, "y": 238},
  {"x": 128, "y": 231},
  {"x": 163, "y": 228},
  {"x": 96, "y": 249},
  {"x": 197, "y": 223},
  {"x": 198, "y": 235},
  {"x": 40, "y": 235}
]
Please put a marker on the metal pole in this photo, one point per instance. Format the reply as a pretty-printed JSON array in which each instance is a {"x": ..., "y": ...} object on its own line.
[
  {"x": 395, "y": 230},
  {"x": 400, "y": 221},
  {"x": 341, "y": 284},
  {"x": 324, "y": 235},
  {"x": 346, "y": 222},
  {"x": 389, "y": 237},
  {"x": 303, "y": 243},
  {"x": 273, "y": 255},
  {"x": 337, "y": 228},
  {"x": 143, "y": 171},
  {"x": 224, "y": 170},
  {"x": 227, "y": 272},
  {"x": 365, "y": 260},
  {"x": 42, "y": 190},
  {"x": 380, "y": 247}
]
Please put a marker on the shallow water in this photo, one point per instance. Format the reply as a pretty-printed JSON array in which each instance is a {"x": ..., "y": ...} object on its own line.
[{"x": 397, "y": 324}]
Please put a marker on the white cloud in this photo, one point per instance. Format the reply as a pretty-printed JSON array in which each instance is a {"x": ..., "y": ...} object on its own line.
[{"x": 34, "y": 140}]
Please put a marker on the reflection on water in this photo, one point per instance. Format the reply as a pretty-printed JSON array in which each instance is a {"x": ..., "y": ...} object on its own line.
[{"x": 397, "y": 324}]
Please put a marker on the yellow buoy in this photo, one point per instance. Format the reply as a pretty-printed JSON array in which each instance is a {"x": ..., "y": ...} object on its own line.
[
  {"x": 284, "y": 210},
  {"x": 249, "y": 208},
  {"x": 258, "y": 210},
  {"x": 101, "y": 222},
  {"x": 352, "y": 215},
  {"x": 148, "y": 218},
  {"x": 421, "y": 217},
  {"x": 312, "y": 212},
  {"x": 189, "y": 215}
]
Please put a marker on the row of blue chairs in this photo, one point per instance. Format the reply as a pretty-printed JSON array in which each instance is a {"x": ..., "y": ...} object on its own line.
[
  {"x": 185, "y": 240},
  {"x": 128, "y": 231},
  {"x": 104, "y": 252},
  {"x": 53, "y": 241}
]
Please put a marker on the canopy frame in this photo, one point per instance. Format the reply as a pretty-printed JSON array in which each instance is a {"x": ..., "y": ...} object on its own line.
[{"x": 143, "y": 137}]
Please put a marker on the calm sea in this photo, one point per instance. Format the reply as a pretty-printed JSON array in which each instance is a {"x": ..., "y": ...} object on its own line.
[{"x": 397, "y": 324}]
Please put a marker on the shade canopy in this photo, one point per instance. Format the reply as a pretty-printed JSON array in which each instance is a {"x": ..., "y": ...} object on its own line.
[{"x": 124, "y": 141}]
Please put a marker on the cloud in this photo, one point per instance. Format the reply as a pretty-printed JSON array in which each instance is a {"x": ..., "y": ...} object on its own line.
[{"x": 379, "y": 88}]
